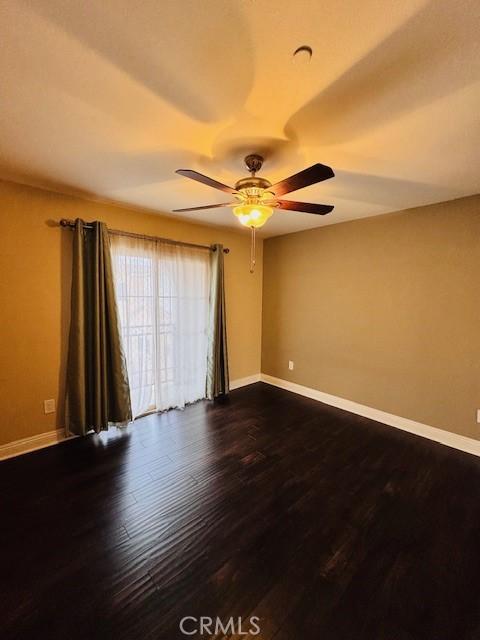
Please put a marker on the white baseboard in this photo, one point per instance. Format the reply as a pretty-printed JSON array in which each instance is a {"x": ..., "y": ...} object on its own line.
[
  {"x": 32, "y": 443},
  {"x": 47, "y": 439},
  {"x": 469, "y": 445},
  {"x": 243, "y": 382}
]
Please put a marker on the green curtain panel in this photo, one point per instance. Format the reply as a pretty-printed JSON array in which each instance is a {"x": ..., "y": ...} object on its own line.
[
  {"x": 98, "y": 392},
  {"x": 217, "y": 364}
]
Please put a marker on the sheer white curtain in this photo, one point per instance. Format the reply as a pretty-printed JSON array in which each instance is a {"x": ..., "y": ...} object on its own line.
[{"x": 163, "y": 298}]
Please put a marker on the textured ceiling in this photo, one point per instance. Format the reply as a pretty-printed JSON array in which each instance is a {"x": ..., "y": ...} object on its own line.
[{"x": 109, "y": 97}]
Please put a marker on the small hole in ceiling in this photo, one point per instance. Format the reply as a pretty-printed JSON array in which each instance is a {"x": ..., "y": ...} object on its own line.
[{"x": 303, "y": 53}]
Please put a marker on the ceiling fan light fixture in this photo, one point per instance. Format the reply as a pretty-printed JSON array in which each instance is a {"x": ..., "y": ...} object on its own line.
[
  {"x": 256, "y": 197},
  {"x": 253, "y": 215}
]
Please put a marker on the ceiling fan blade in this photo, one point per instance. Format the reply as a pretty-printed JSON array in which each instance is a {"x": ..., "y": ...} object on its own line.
[
  {"x": 306, "y": 207},
  {"x": 206, "y": 206},
  {"x": 315, "y": 173},
  {"x": 210, "y": 182}
]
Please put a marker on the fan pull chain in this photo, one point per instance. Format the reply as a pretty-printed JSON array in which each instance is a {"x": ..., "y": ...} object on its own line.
[{"x": 252, "y": 251}]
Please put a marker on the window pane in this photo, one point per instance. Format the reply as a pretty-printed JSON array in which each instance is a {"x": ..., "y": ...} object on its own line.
[{"x": 162, "y": 295}]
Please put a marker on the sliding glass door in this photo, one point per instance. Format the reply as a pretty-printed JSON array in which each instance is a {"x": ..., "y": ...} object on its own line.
[{"x": 163, "y": 299}]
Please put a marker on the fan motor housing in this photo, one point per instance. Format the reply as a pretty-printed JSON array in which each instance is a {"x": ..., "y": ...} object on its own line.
[{"x": 252, "y": 182}]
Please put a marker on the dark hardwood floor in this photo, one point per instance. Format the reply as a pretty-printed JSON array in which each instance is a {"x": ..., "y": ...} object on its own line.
[{"x": 323, "y": 524}]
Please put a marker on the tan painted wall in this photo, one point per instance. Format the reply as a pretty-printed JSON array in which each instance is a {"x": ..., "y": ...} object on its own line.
[
  {"x": 35, "y": 265},
  {"x": 383, "y": 311}
]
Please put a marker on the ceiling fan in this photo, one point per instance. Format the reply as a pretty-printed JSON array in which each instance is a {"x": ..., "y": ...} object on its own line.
[{"x": 256, "y": 198}]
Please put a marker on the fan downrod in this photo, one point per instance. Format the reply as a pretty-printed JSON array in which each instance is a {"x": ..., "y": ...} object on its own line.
[{"x": 254, "y": 162}]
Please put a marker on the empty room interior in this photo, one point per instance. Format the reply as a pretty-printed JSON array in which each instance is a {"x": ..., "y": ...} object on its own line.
[{"x": 240, "y": 319}]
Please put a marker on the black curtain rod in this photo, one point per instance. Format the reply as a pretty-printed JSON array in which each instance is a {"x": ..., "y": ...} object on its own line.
[{"x": 64, "y": 222}]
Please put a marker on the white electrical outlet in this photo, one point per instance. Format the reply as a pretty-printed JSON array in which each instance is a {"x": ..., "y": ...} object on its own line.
[
  {"x": 478, "y": 416},
  {"x": 291, "y": 365},
  {"x": 49, "y": 406}
]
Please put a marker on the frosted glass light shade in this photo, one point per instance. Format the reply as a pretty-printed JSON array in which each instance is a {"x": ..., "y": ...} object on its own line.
[{"x": 253, "y": 215}]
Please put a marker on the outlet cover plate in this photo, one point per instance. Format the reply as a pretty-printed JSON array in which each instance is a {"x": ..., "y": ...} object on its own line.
[{"x": 49, "y": 406}]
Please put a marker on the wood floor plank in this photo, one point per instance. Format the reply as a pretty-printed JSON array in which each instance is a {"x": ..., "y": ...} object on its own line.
[{"x": 321, "y": 523}]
